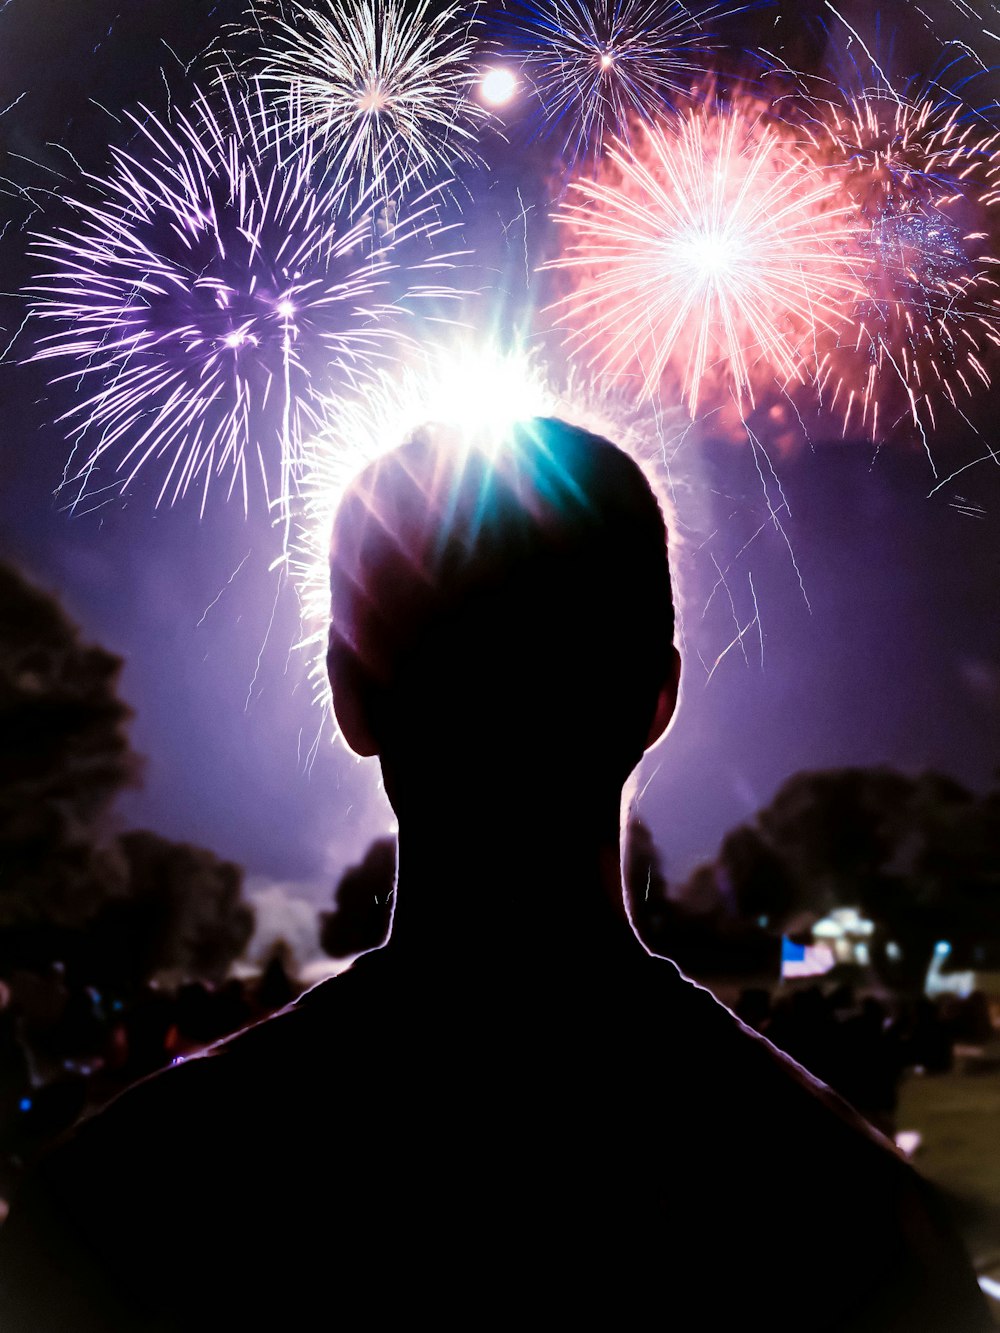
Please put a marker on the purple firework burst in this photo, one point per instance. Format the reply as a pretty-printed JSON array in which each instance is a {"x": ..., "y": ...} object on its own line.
[{"x": 207, "y": 283}]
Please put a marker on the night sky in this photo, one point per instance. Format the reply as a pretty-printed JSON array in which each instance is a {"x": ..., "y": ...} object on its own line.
[{"x": 879, "y": 617}]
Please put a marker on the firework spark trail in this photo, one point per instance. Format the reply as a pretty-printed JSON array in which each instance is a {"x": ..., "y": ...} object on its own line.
[
  {"x": 10, "y": 105},
  {"x": 215, "y": 600},
  {"x": 923, "y": 175},
  {"x": 758, "y": 450},
  {"x": 384, "y": 86},
  {"x": 732, "y": 607},
  {"x": 738, "y": 639},
  {"x": 990, "y": 456},
  {"x": 17, "y": 333},
  {"x": 596, "y": 65},
  {"x": 263, "y": 648},
  {"x": 711, "y": 252},
  {"x": 966, "y": 507},
  {"x": 858, "y": 38},
  {"x": 202, "y": 284},
  {"x": 756, "y": 617}
]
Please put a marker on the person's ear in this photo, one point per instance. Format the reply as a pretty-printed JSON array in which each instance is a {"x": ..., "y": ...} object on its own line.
[
  {"x": 666, "y": 700},
  {"x": 350, "y": 690}
]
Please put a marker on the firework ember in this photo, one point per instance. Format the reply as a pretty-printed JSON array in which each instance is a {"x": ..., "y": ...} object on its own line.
[
  {"x": 203, "y": 284},
  {"x": 712, "y": 254}
]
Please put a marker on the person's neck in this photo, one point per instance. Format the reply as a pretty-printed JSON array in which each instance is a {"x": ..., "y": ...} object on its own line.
[{"x": 508, "y": 882}]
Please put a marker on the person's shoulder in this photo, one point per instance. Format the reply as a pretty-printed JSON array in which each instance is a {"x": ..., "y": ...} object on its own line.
[
  {"x": 801, "y": 1177},
  {"x": 705, "y": 1032},
  {"x": 257, "y": 1073}
]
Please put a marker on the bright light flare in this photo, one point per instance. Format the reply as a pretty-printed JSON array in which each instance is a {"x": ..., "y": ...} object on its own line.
[{"x": 711, "y": 254}]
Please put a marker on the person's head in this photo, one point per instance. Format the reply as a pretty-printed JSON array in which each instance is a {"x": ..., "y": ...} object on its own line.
[{"x": 501, "y": 607}]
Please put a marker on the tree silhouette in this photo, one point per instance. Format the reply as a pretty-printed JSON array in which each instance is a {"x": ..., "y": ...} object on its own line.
[
  {"x": 111, "y": 912},
  {"x": 919, "y": 855},
  {"x": 181, "y": 916},
  {"x": 64, "y": 756},
  {"x": 698, "y": 932},
  {"x": 363, "y": 898}
]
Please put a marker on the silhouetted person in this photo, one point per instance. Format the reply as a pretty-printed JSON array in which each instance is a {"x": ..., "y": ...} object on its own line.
[
  {"x": 871, "y": 1064},
  {"x": 456, "y": 1132},
  {"x": 275, "y": 987},
  {"x": 928, "y": 1040}
]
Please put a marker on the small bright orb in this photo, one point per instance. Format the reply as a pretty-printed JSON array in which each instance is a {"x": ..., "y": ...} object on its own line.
[
  {"x": 234, "y": 339},
  {"x": 497, "y": 86},
  {"x": 607, "y": 60},
  {"x": 286, "y": 309}
]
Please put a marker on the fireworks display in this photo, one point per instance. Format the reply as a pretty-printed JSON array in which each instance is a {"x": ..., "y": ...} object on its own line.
[
  {"x": 240, "y": 261},
  {"x": 201, "y": 286},
  {"x": 713, "y": 251},
  {"x": 232, "y": 294},
  {"x": 383, "y": 86},
  {"x": 753, "y": 244},
  {"x": 922, "y": 177}
]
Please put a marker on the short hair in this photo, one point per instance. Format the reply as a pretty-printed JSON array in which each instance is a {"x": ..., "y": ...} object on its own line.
[{"x": 536, "y": 567}]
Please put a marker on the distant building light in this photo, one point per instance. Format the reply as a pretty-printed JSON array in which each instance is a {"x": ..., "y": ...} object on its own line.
[
  {"x": 848, "y": 933},
  {"x": 828, "y": 929}
]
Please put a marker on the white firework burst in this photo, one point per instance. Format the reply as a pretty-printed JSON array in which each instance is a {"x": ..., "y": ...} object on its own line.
[{"x": 383, "y": 85}]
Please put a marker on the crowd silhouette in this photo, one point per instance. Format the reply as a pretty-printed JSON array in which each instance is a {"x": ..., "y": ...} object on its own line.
[
  {"x": 863, "y": 1045},
  {"x": 66, "y": 1050}
]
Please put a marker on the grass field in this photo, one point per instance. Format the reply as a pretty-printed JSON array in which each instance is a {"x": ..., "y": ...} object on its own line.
[{"x": 958, "y": 1117}]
